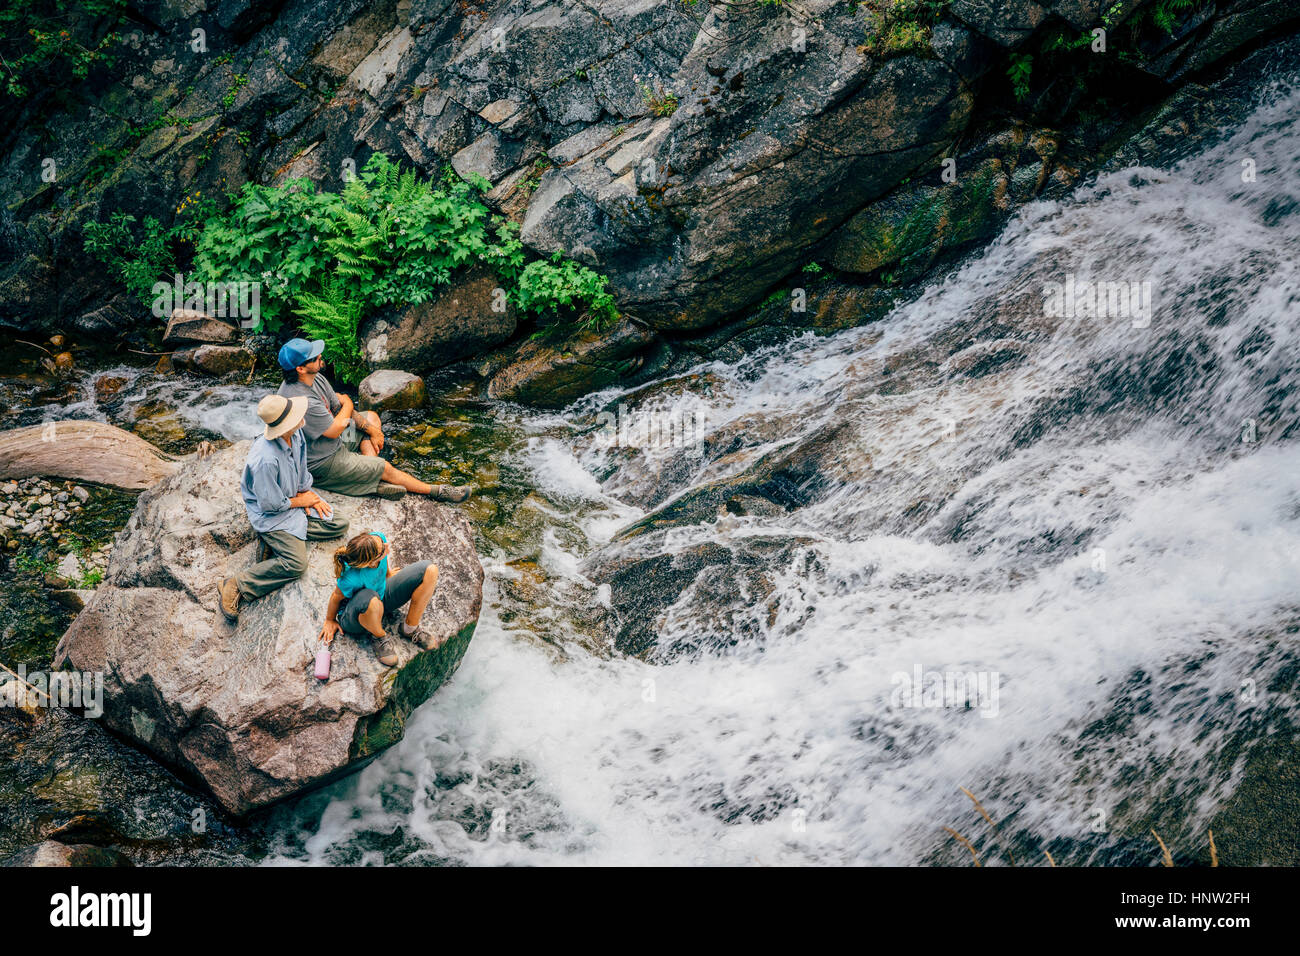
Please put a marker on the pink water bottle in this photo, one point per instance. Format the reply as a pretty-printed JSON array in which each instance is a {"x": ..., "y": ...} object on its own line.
[{"x": 323, "y": 664}]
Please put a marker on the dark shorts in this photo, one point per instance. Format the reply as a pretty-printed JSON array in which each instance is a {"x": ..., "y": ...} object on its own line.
[{"x": 397, "y": 593}]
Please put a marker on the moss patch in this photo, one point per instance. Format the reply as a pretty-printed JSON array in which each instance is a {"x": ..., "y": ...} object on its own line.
[{"x": 412, "y": 686}]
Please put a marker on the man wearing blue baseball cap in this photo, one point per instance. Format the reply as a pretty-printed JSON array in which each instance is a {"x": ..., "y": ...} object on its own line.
[{"x": 338, "y": 456}]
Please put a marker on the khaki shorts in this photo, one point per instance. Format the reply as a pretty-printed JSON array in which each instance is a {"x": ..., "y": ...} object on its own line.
[{"x": 347, "y": 472}]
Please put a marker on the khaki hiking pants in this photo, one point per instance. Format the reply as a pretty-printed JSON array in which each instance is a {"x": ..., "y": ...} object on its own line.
[{"x": 288, "y": 558}]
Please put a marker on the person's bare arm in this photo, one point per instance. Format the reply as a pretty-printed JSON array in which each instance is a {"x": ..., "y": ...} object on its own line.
[
  {"x": 368, "y": 424},
  {"x": 341, "y": 419},
  {"x": 332, "y": 626}
]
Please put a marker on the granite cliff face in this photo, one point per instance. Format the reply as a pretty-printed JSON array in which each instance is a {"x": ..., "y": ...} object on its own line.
[{"x": 696, "y": 154}]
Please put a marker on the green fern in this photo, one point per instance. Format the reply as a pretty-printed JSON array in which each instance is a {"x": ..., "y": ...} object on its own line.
[{"x": 334, "y": 316}]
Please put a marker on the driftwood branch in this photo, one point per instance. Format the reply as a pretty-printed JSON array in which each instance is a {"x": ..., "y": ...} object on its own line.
[{"x": 83, "y": 451}]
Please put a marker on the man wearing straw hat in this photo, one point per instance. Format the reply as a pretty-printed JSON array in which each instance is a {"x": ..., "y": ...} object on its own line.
[{"x": 282, "y": 508}]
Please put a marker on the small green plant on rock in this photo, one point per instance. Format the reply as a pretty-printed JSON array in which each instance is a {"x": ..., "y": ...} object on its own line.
[
  {"x": 656, "y": 99},
  {"x": 90, "y": 579},
  {"x": 240, "y": 81},
  {"x": 895, "y": 27},
  {"x": 1019, "y": 71},
  {"x": 1168, "y": 14}
]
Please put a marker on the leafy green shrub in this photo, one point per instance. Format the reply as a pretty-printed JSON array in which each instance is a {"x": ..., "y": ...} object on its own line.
[
  {"x": 51, "y": 44},
  {"x": 138, "y": 264},
  {"x": 550, "y": 286},
  {"x": 275, "y": 235},
  {"x": 389, "y": 238}
]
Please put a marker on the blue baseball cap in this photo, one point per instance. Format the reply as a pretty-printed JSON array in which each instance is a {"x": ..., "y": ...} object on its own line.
[{"x": 297, "y": 352}]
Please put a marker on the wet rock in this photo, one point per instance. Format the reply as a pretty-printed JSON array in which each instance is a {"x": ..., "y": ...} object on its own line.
[
  {"x": 985, "y": 358},
  {"x": 216, "y": 359},
  {"x": 190, "y": 325},
  {"x": 236, "y": 706},
  {"x": 552, "y": 374},
  {"x": 159, "y": 424},
  {"x": 904, "y": 233},
  {"x": 468, "y": 316},
  {"x": 647, "y": 578},
  {"x": 391, "y": 390},
  {"x": 74, "y": 599},
  {"x": 52, "y": 853},
  {"x": 115, "y": 317}
]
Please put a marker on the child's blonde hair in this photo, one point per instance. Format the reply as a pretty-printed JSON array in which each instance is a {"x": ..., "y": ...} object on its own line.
[{"x": 362, "y": 551}]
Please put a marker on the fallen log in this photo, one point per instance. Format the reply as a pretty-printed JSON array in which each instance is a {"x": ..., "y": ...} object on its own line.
[{"x": 83, "y": 451}]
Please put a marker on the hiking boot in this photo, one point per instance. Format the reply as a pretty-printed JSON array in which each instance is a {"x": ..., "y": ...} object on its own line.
[
  {"x": 449, "y": 492},
  {"x": 386, "y": 650},
  {"x": 419, "y": 637},
  {"x": 230, "y": 599},
  {"x": 391, "y": 492}
]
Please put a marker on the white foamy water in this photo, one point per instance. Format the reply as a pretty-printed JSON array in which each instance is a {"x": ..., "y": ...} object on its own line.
[
  {"x": 225, "y": 409},
  {"x": 1107, "y": 517}
]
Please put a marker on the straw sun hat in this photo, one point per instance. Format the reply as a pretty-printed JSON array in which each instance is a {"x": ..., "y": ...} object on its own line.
[{"x": 280, "y": 413}]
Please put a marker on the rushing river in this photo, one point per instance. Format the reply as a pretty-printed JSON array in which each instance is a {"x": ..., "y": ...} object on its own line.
[
  {"x": 692, "y": 652},
  {"x": 1101, "y": 510}
]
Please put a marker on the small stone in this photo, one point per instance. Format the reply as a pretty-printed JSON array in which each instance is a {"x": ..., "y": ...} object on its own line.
[
  {"x": 45, "y": 499},
  {"x": 70, "y": 568},
  {"x": 81, "y": 493}
]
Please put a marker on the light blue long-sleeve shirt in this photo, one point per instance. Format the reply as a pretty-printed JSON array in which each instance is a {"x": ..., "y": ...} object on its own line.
[{"x": 273, "y": 475}]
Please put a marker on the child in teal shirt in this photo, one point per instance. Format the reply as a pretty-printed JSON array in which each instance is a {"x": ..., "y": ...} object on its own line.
[{"x": 366, "y": 589}]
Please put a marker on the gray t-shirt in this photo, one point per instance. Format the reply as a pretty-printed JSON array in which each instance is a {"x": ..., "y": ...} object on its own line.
[{"x": 322, "y": 406}]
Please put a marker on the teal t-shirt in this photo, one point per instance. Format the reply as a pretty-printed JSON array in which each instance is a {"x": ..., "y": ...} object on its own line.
[{"x": 376, "y": 578}]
